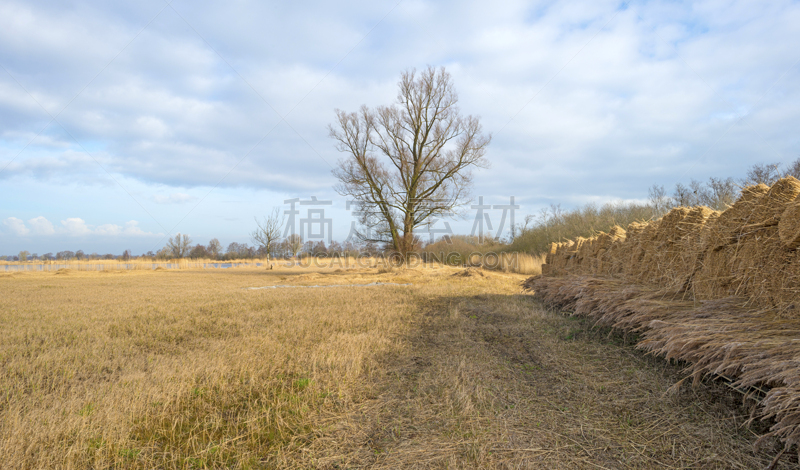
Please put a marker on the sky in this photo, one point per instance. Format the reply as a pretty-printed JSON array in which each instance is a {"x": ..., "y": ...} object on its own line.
[{"x": 124, "y": 123}]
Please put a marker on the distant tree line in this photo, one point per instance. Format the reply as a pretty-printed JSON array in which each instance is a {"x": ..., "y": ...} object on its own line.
[
  {"x": 61, "y": 255},
  {"x": 180, "y": 247}
]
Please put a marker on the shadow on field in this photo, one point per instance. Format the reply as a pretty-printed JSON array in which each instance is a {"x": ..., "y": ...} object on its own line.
[
  {"x": 298, "y": 271},
  {"x": 498, "y": 381}
]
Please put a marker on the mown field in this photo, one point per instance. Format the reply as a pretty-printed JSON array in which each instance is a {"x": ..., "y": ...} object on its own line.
[{"x": 457, "y": 369}]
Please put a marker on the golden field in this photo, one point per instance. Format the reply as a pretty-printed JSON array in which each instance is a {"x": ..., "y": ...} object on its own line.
[
  {"x": 521, "y": 263},
  {"x": 450, "y": 368},
  {"x": 118, "y": 264}
]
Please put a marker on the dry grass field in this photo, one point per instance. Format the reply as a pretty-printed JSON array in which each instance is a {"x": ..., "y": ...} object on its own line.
[{"x": 447, "y": 368}]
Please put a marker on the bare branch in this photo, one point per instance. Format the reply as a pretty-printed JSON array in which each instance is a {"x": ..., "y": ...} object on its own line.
[
  {"x": 268, "y": 231},
  {"x": 411, "y": 161}
]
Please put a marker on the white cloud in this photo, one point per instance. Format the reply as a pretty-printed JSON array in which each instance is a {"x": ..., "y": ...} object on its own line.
[
  {"x": 108, "y": 229},
  {"x": 16, "y": 226},
  {"x": 75, "y": 227},
  {"x": 132, "y": 228},
  {"x": 174, "y": 198},
  {"x": 41, "y": 226}
]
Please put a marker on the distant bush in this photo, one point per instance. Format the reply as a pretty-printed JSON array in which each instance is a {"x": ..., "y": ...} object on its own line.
[
  {"x": 457, "y": 249},
  {"x": 461, "y": 250},
  {"x": 555, "y": 224}
]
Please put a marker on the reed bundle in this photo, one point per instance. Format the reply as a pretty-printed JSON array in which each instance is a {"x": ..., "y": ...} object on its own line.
[
  {"x": 720, "y": 290},
  {"x": 748, "y": 250}
]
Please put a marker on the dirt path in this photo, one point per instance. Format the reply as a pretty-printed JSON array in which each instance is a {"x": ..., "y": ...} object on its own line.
[{"x": 496, "y": 381}]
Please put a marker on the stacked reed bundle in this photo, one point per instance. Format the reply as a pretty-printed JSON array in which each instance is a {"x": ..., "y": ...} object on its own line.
[
  {"x": 661, "y": 249},
  {"x": 584, "y": 254},
  {"x": 641, "y": 254},
  {"x": 789, "y": 226},
  {"x": 606, "y": 247},
  {"x": 773, "y": 269},
  {"x": 691, "y": 252},
  {"x": 749, "y": 250},
  {"x": 720, "y": 290}
]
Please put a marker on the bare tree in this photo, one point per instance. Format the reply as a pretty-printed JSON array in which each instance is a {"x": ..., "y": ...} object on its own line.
[
  {"x": 766, "y": 173},
  {"x": 268, "y": 231},
  {"x": 319, "y": 248},
  {"x": 214, "y": 247},
  {"x": 717, "y": 193},
  {"x": 720, "y": 193},
  {"x": 793, "y": 169},
  {"x": 179, "y": 246},
  {"x": 659, "y": 200},
  {"x": 683, "y": 196},
  {"x": 295, "y": 243},
  {"x": 198, "y": 252},
  {"x": 410, "y": 161}
]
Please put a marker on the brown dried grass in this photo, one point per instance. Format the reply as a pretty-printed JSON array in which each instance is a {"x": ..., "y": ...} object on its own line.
[
  {"x": 187, "y": 369},
  {"x": 756, "y": 347}
]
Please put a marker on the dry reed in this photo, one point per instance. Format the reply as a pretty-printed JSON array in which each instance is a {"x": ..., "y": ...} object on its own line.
[
  {"x": 118, "y": 264},
  {"x": 717, "y": 289}
]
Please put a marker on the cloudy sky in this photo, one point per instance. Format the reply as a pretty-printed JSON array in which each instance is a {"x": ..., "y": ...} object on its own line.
[{"x": 123, "y": 123}]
